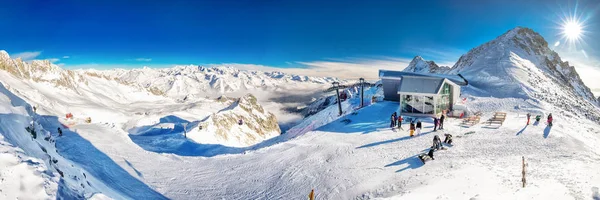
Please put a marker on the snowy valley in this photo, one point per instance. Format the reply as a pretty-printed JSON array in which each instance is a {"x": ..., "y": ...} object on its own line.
[{"x": 193, "y": 132}]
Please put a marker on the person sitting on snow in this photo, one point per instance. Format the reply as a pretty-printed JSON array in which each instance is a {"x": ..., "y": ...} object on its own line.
[
  {"x": 448, "y": 139},
  {"x": 537, "y": 118},
  {"x": 437, "y": 142},
  {"x": 430, "y": 154}
]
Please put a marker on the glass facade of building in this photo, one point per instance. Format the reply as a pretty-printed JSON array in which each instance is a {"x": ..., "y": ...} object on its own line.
[{"x": 424, "y": 104}]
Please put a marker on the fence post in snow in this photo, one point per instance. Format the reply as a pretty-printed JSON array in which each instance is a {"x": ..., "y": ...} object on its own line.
[
  {"x": 337, "y": 91},
  {"x": 362, "y": 91},
  {"x": 523, "y": 179}
]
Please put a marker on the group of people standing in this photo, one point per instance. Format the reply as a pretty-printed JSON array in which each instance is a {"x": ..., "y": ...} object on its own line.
[
  {"x": 538, "y": 117},
  {"x": 396, "y": 121}
]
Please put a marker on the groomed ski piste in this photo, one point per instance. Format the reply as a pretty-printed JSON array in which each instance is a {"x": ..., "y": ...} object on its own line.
[{"x": 355, "y": 156}]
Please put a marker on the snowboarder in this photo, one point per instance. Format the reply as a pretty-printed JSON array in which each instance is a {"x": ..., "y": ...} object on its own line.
[
  {"x": 448, "y": 139},
  {"x": 59, "y": 132},
  {"x": 442, "y": 122},
  {"x": 400, "y": 122},
  {"x": 412, "y": 128},
  {"x": 550, "y": 119},
  {"x": 419, "y": 127},
  {"x": 528, "y": 116},
  {"x": 435, "y": 123},
  {"x": 437, "y": 142}
]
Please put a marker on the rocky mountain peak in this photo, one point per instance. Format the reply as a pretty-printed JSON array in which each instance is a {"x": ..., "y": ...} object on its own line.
[
  {"x": 419, "y": 65},
  {"x": 520, "y": 64},
  {"x": 4, "y": 55}
]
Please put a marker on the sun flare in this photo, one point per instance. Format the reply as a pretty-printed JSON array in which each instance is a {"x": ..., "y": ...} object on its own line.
[{"x": 572, "y": 30}]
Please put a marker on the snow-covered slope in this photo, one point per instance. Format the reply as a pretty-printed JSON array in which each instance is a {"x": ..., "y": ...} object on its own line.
[
  {"x": 224, "y": 128},
  {"x": 520, "y": 64},
  {"x": 422, "y": 66}
]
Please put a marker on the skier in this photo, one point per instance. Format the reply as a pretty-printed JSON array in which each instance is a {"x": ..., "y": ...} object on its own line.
[
  {"x": 528, "y": 116},
  {"x": 435, "y": 123},
  {"x": 400, "y": 122},
  {"x": 59, "y": 132},
  {"x": 448, "y": 139},
  {"x": 442, "y": 122},
  {"x": 550, "y": 119},
  {"x": 419, "y": 126},
  {"x": 412, "y": 128}
]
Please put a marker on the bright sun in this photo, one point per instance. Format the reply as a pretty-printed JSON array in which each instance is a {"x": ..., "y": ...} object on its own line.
[{"x": 572, "y": 30}]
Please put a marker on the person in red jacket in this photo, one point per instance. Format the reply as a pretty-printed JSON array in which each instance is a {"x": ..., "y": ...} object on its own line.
[{"x": 400, "y": 122}]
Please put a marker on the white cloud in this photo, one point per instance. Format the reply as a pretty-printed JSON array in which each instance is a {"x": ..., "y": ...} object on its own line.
[
  {"x": 53, "y": 60},
  {"x": 143, "y": 59},
  {"x": 65, "y": 57},
  {"x": 26, "y": 56}
]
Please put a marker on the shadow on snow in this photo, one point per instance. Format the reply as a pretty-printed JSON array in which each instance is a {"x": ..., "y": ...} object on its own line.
[
  {"x": 79, "y": 150},
  {"x": 547, "y": 131}
]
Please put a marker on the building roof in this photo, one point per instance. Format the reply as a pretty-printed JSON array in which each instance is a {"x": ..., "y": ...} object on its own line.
[
  {"x": 399, "y": 74},
  {"x": 420, "y": 84}
]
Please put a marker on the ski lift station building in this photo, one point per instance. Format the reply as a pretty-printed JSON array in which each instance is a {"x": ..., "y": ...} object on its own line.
[{"x": 421, "y": 94}]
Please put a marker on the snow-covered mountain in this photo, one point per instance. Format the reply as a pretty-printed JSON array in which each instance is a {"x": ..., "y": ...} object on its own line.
[
  {"x": 520, "y": 64},
  {"x": 177, "y": 82},
  {"x": 191, "y": 81},
  {"x": 224, "y": 127},
  {"x": 89, "y": 93},
  {"x": 419, "y": 65}
]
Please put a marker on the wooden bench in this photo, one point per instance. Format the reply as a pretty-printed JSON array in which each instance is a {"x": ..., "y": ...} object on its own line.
[
  {"x": 470, "y": 121},
  {"x": 498, "y": 118}
]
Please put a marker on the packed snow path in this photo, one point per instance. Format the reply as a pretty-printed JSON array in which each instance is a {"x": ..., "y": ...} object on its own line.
[{"x": 362, "y": 159}]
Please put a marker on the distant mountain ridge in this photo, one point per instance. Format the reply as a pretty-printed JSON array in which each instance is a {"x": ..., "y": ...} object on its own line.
[{"x": 176, "y": 82}]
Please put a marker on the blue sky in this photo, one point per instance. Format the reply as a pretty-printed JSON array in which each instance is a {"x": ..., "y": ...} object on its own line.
[{"x": 285, "y": 34}]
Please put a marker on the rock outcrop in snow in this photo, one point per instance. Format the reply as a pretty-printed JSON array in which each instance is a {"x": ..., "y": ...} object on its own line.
[
  {"x": 224, "y": 127},
  {"x": 520, "y": 64},
  {"x": 39, "y": 71},
  {"x": 419, "y": 65}
]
